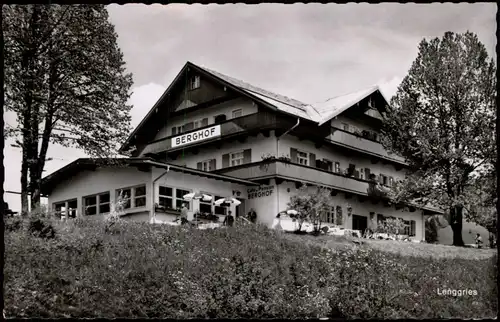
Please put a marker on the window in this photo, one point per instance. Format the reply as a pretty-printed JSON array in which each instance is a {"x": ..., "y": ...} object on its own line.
[
  {"x": 90, "y": 205},
  {"x": 218, "y": 210},
  {"x": 166, "y": 197},
  {"x": 104, "y": 205},
  {"x": 126, "y": 195},
  {"x": 60, "y": 208},
  {"x": 237, "y": 113},
  {"x": 179, "y": 200},
  {"x": 194, "y": 83},
  {"x": 362, "y": 174},
  {"x": 328, "y": 165},
  {"x": 329, "y": 216},
  {"x": 384, "y": 179},
  {"x": 235, "y": 158},
  {"x": 72, "y": 208},
  {"x": 391, "y": 181},
  {"x": 302, "y": 158},
  {"x": 98, "y": 204},
  {"x": 345, "y": 126},
  {"x": 337, "y": 167},
  {"x": 407, "y": 228},
  {"x": 197, "y": 124},
  {"x": 140, "y": 196},
  {"x": 207, "y": 165},
  {"x": 177, "y": 130}
]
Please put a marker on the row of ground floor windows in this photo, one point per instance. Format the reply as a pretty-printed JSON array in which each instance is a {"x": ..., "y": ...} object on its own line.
[{"x": 134, "y": 197}]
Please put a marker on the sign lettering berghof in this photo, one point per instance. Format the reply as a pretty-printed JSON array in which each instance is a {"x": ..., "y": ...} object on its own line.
[
  {"x": 260, "y": 192},
  {"x": 196, "y": 136}
]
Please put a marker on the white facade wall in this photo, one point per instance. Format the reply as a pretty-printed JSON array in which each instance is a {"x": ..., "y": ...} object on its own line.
[
  {"x": 110, "y": 180},
  {"x": 260, "y": 146},
  {"x": 287, "y": 190},
  {"x": 263, "y": 202},
  {"x": 102, "y": 180},
  {"x": 226, "y": 108}
]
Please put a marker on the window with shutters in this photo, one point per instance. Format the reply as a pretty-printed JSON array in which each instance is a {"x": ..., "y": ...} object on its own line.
[
  {"x": 391, "y": 181},
  {"x": 329, "y": 216},
  {"x": 383, "y": 179},
  {"x": 237, "y": 113},
  {"x": 208, "y": 165},
  {"x": 302, "y": 158},
  {"x": 337, "y": 167},
  {"x": 194, "y": 82},
  {"x": 235, "y": 158},
  {"x": 362, "y": 174},
  {"x": 407, "y": 227}
]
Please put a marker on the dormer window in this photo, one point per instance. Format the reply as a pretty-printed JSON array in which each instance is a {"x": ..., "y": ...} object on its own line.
[{"x": 194, "y": 82}]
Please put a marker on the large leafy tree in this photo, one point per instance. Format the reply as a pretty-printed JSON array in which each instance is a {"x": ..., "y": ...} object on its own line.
[
  {"x": 442, "y": 120},
  {"x": 66, "y": 81}
]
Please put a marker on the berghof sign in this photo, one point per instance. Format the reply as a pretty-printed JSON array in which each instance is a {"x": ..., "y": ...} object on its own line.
[
  {"x": 196, "y": 136},
  {"x": 260, "y": 192}
]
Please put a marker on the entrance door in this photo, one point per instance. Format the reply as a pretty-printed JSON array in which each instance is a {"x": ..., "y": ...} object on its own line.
[{"x": 359, "y": 223}]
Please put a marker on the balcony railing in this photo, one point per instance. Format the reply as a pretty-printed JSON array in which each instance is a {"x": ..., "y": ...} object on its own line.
[
  {"x": 277, "y": 168},
  {"x": 252, "y": 122},
  {"x": 299, "y": 173},
  {"x": 359, "y": 143},
  {"x": 261, "y": 121}
]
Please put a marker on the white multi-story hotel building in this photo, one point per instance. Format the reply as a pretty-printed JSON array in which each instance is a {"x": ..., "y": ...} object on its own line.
[{"x": 220, "y": 136}]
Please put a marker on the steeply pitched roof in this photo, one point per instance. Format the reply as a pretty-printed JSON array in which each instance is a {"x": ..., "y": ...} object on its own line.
[
  {"x": 334, "y": 106},
  {"x": 282, "y": 103},
  {"x": 319, "y": 112}
]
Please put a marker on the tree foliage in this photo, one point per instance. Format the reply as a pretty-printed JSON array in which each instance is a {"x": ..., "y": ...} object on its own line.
[
  {"x": 65, "y": 79},
  {"x": 442, "y": 121},
  {"x": 311, "y": 203}
]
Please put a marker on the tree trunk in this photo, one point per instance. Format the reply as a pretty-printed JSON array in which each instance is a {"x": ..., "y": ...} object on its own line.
[{"x": 456, "y": 223}]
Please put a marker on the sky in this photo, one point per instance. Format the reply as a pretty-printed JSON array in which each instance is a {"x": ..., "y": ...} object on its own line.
[{"x": 309, "y": 52}]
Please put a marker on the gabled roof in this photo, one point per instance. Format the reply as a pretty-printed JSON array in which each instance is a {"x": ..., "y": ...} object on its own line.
[
  {"x": 334, "y": 106},
  {"x": 82, "y": 164},
  {"x": 319, "y": 113},
  {"x": 280, "y": 102}
]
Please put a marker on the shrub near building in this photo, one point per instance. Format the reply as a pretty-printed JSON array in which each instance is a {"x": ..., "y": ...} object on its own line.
[{"x": 142, "y": 270}]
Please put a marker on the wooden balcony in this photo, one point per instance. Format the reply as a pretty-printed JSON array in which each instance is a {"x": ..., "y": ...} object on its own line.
[
  {"x": 296, "y": 172},
  {"x": 261, "y": 122},
  {"x": 356, "y": 142}
]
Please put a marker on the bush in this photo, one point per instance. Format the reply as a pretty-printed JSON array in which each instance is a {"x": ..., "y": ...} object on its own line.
[{"x": 249, "y": 271}]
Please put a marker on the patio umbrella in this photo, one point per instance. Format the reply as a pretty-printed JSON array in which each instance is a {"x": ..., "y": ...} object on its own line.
[
  {"x": 230, "y": 200},
  {"x": 197, "y": 195}
]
